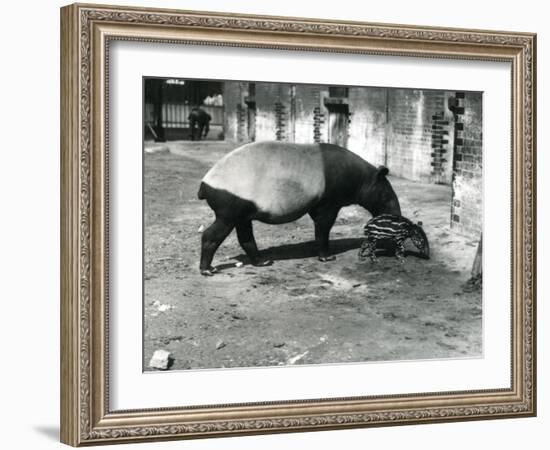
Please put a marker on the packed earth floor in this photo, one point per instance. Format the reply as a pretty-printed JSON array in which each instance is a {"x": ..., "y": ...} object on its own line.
[{"x": 299, "y": 310}]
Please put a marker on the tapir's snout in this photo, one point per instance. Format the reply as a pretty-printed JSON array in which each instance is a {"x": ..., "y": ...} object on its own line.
[{"x": 426, "y": 251}]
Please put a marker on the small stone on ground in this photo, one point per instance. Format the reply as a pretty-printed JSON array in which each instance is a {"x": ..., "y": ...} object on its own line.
[{"x": 160, "y": 360}]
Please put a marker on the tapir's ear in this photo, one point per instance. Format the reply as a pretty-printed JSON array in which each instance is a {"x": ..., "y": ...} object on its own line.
[{"x": 382, "y": 171}]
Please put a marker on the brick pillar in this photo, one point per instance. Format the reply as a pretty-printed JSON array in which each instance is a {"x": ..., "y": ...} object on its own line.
[
  {"x": 440, "y": 141},
  {"x": 232, "y": 99},
  {"x": 280, "y": 121},
  {"x": 467, "y": 187},
  {"x": 242, "y": 135},
  {"x": 456, "y": 105},
  {"x": 291, "y": 119},
  {"x": 318, "y": 121}
]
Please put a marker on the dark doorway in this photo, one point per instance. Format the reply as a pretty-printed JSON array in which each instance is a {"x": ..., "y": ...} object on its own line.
[{"x": 169, "y": 102}]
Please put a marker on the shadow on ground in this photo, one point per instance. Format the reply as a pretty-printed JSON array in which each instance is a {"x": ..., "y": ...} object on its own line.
[{"x": 303, "y": 250}]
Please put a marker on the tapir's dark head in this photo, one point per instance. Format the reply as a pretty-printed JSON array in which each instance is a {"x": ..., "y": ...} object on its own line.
[{"x": 377, "y": 195}]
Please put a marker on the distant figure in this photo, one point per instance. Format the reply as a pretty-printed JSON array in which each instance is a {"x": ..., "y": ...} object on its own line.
[{"x": 199, "y": 120}]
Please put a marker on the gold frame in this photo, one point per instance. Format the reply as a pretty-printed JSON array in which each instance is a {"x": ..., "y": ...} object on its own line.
[{"x": 86, "y": 31}]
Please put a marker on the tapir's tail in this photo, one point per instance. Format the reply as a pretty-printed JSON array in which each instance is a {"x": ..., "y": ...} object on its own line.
[{"x": 201, "y": 193}]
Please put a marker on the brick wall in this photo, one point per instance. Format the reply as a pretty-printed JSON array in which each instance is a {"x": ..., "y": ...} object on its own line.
[
  {"x": 408, "y": 130},
  {"x": 418, "y": 141},
  {"x": 273, "y": 105},
  {"x": 241, "y": 123},
  {"x": 368, "y": 121},
  {"x": 467, "y": 208},
  {"x": 233, "y": 95},
  {"x": 422, "y": 135},
  {"x": 441, "y": 144},
  {"x": 309, "y": 116}
]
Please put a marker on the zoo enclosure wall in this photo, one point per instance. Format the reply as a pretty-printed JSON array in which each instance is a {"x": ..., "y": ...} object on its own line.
[{"x": 430, "y": 136}]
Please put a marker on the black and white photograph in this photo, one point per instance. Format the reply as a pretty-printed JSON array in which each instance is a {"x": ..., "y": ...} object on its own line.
[
  {"x": 289, "y": 224},
  {"x": 275, "y": 225}
]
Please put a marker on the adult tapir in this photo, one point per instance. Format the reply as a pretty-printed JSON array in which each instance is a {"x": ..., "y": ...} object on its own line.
[{"x": 278, "y": 182}]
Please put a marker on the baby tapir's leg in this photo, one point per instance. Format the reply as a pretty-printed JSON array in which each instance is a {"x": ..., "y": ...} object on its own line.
[
  {"x": 368, "y": 250},
  {"x": 400, "y": 250},
  {"x": 212, "y": 237},
  {"x": 245, "y": 235}
]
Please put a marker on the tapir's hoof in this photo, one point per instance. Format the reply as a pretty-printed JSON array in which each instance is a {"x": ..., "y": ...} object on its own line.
[
  {"x": 262, "y": 262},
  {"x": 209, "y": 272},
  {"x": 327, "y": 258}
]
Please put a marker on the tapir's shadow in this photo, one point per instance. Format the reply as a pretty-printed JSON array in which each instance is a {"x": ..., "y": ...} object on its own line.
[
  {"x": 303, "y": 250},
  {"x": 309, "y": 249}
]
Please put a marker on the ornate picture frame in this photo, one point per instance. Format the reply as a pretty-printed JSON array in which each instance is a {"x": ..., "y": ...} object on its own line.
[{"x": 86, "y": 34}]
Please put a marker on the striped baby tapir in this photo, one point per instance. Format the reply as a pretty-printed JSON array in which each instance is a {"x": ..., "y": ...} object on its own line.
[{"x": 390, "y": 230}]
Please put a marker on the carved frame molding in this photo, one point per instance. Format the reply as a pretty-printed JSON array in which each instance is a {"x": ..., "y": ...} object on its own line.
[{"x": 86, "y": 31}]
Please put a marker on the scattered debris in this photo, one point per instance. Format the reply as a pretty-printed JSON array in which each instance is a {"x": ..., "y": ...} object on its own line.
[
  {"x": 161, "y": 360},
  {"x": 297, "y": 358},
  {"x": 340, "y": 283},
  {"x": 237, "y": 316},
  {"x": 201, "y": 229},
  {"x": 162, "y": 307},
  {"x": 220, "y": 344},
  {"x": 152, "y": 148},
  {"x": 239, "y": 264},
  {"x": 278, "y": 344}
]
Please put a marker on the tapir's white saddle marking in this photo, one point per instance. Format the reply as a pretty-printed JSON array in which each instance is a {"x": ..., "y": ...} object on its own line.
[{"x": 280, "y": 178}]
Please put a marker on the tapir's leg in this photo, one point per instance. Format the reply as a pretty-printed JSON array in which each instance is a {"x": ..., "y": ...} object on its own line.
[
  {"x": 245, "y": 235},
  {"x": 368, "y": 250},
  {"x": 400, "y": 251},
  {"x": 212, "y": 237},
  {"x": 324, "y": 219}
]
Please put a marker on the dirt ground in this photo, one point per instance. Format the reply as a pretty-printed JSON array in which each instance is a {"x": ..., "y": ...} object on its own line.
[{"x": 299, "y": 310}]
